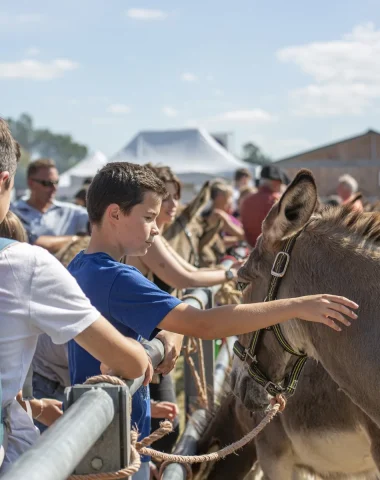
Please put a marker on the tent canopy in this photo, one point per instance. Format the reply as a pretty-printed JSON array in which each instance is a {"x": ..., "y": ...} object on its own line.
[
  {"x": 71, "y": 180},
  {"x": 189, "y": 152}
]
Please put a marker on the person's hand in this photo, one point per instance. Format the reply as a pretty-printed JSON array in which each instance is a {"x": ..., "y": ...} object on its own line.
[
  {"x": 46, "y": 410},
  {"x": 148, "y": 373},
  {"x": 172, "y": 345},
  {"x": 166, "y": 410},
  {"x": 325, "y": 309}
]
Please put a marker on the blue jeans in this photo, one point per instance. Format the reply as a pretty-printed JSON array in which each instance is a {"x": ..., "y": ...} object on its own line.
[
  {"x": 45, "y": 388},
  {"x": 143, "y": 473}
]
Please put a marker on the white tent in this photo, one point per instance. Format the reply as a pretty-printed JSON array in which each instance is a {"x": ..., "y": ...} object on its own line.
[
  {"x": 72, "y": 180},
  {"x": 193, "y": 154}
]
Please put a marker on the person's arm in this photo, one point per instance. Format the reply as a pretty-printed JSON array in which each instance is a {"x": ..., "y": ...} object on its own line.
[
  {"x": 53, "y": 244},
  {"x": 162, "y": 263},
  {"x": 45, "y": 410},
  {"x": 59, "y": 308},
  {"x": 231, "y": 320},
  {"x": 123, "y": 355}
]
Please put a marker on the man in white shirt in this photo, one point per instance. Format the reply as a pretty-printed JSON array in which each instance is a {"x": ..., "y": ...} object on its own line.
[{"x": 38, "y": 295}]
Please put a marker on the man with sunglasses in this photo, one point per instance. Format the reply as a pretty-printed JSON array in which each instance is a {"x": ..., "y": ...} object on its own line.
[{"x": 49, "y": 223}]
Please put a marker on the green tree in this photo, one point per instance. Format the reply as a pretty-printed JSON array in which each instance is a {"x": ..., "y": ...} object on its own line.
[
  {"x": 44, "y": 143},
  {"x": 253, "y": 154}
]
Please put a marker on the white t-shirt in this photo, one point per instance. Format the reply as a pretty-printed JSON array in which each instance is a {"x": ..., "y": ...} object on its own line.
[{"x": 37, "y": 295}]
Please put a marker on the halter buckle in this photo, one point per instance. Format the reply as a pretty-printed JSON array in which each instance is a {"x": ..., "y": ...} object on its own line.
[
  {"x": 278, "y": 257},
  {"x": 248, "y": 354},
  {"x": 276, "y": 387}
]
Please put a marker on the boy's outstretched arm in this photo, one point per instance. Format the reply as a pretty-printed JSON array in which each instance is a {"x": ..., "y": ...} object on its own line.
[{"x": 231, "y": 320}]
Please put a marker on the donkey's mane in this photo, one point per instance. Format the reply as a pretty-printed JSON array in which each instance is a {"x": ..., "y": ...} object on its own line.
[{"x": 362, "y": 226}]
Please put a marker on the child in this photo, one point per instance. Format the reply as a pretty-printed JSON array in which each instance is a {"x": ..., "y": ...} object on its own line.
[
  {"x": 123, "y": 203},
  {"x": 39, "y": 296}
]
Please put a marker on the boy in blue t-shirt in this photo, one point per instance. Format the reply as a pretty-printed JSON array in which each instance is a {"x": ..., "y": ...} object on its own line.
[{"x": 123, "y": 203}]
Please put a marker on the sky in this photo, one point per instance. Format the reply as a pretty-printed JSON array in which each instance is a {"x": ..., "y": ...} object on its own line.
[{"x": 288, "y": 76}]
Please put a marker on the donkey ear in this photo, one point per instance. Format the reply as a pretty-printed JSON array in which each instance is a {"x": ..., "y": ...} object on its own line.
[
  {"x": 198, "y": 203},
  {"x": 294, "y": 209}
]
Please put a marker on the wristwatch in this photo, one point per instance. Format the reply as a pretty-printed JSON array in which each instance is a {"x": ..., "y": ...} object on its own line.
[{"x": 229, "y": 275}]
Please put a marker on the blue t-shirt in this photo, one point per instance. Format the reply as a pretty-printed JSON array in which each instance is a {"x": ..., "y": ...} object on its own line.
[{"x": 134, "y": 306}]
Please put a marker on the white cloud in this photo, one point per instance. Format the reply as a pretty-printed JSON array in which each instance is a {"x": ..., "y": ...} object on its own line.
[
  {"x": 334, "y": 99},
  {"x": 9, "y": 20},
  {"x": 32, "y": 51},
  {"x": 34, "y": 70},
  {"x": 345, "y": 72},
  {"x": 255, "y": 115},
  {"x": 189, "y": 77},
  {"x": 146, "y": 14},
  {"x": 170, "y": 111},
  {"x": 119, "y": 109}
]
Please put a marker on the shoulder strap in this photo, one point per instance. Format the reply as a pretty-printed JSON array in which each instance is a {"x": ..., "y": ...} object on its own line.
[{"x": 5, "y": 242}]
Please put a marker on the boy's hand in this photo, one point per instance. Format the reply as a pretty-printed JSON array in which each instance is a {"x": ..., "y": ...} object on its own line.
[
  {"x": 172, "y": 344},
  {"x": 167, "y": 410},
  {"x": 325, "y": 309},
  {"x": 148, "y": 373}
]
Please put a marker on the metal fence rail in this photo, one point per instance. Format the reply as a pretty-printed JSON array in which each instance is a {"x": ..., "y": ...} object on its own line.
[
  {"x": 66, "y": 443},
  {"x": 187, "y": 444}
]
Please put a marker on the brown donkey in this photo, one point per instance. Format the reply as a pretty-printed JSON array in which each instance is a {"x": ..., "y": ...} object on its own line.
[
  {"x": 189, "y": 234},
  {"x": 318, "y": 433},
  {"x": 336, "y": 251}
]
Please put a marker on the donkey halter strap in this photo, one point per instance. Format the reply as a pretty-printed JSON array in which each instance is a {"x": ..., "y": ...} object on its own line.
[{"x": 278, "y": 271}]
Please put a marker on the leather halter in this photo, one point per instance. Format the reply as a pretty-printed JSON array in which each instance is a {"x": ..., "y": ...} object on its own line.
[
  {"x": 278, "y": 271},
  {"x": 193, "y": 251}
]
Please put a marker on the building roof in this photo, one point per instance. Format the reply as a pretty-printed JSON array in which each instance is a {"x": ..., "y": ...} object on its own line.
[{"x": 293, "y": 157}]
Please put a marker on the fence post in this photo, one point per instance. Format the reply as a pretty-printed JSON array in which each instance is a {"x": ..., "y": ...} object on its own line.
[{"x": 191, "y": 393}]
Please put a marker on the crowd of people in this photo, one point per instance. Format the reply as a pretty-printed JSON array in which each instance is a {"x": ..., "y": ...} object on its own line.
[{"x": 71, "y": 324}]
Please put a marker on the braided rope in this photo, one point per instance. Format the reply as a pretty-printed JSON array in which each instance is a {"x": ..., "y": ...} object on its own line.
[{"x": 220, "y": 454}]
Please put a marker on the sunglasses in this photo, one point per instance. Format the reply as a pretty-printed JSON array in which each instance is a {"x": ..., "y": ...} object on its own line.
[{"x": 46, "y": 183}]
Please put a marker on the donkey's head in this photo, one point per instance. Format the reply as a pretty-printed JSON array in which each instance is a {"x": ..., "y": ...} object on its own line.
[
  {"x": 289, "y": 216},
  {"x": 337, "y": 252}
]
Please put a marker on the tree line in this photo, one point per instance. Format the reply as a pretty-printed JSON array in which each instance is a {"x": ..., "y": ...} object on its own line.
[{"x": 66, "y": 152}]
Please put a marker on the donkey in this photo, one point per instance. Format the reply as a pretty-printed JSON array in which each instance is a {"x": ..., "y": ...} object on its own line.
[
  {"x": 336, "y": 251},
  {"x": 190, "y": 235},
  {"x": 296, "y": 443}
]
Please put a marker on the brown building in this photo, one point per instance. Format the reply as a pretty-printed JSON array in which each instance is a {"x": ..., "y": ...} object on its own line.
[{"x": 358, "y": 156}]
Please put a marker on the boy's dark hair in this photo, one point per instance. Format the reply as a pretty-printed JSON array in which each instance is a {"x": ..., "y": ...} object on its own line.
[
  {"x": 9, "y": 151},
  {"x": 167, "y": 175},
  {"x": 33, "y": 167},
  {"x": 241, "y": 173},
  {"x": 122, "y": 183}
]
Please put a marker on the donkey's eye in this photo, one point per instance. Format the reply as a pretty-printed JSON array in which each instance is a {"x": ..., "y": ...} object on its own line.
[{"x": 241, "y": 286}]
